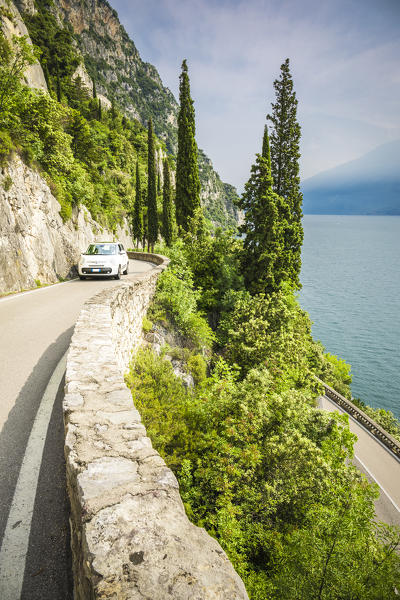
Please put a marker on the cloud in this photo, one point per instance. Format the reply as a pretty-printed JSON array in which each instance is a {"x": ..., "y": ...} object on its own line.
[{"x": 343, "y": 54}]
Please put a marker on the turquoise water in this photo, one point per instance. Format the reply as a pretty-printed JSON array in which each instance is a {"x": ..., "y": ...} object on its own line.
[{"x": 351, "y": 289}]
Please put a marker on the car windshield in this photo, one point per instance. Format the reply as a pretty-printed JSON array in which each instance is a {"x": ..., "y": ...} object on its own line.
[{"x": 102, "y": 249}]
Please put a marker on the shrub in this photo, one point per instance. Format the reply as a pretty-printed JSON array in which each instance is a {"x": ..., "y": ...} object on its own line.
[
  {"x": 147, "y": 325},
  {"x": 177, "y": 297},
  {"x": 6, "y": 146},
  {"x": 197, "y": 367},
  {"x": 7, "y": 183}
]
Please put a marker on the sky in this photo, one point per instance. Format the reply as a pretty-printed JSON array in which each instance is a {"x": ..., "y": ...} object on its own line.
[{"x": 344, "y": 59}]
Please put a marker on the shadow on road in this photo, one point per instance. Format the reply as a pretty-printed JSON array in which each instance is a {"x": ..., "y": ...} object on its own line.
[{"x": 48, "y": 566}]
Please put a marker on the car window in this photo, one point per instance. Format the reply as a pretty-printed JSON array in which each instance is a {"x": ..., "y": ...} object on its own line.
[{"x": 102, "y": 249}]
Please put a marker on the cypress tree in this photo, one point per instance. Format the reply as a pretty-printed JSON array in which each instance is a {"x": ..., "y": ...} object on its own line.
[
  {"x": 137, "y": 222},
  {"x": 152, "y": 217},
  {"x": 263, "y": 261},
  {"x": 187, "y": 170},
  {"x": 94, "y": 90},
  {"x": 285, "y": 155},
  {"x": 99, "y": 111},
  {"x": 168, "y": 217},
  {"x": 113, "y": 111}
]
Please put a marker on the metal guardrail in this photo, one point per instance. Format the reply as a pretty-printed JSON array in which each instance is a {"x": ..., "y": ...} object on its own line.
[{"x": 376, "y": 430}]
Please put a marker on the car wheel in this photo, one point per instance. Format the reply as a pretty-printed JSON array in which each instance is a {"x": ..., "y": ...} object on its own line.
[
  {"x": 118, "y": 275},
  {"x": 127, "y": 268},
  {"x": 82, "y": 277}
]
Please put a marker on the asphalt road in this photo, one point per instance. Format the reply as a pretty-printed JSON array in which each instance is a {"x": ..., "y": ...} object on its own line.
[
  {"x": 35, "y": 332},
  {"x": 378, "y": 464}
]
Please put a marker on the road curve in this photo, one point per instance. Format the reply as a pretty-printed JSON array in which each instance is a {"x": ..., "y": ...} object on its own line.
[
  {"x": 35, "y": 332},
  {"x": 378, "y": 464}
]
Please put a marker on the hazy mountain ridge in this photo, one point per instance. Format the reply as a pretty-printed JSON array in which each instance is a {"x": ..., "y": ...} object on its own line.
[{"x": 369, "y": 185}]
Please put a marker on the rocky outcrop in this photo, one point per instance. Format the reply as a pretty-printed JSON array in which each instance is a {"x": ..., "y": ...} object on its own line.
[
  {"x": 35, "y": 244},
  {"x": 131, "y": 538},
  {"x": 218, "y": 198},
  {"x": 12, "y": 24},
  {"x": 113, "y": 61},
  {"x": 26, "y": 6}
]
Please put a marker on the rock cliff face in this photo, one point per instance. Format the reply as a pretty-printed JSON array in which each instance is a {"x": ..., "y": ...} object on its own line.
[
  {"x": 112, "y": 60},
  {"x": 217, "y": 197},
  {"x": 35, "y": 244}
]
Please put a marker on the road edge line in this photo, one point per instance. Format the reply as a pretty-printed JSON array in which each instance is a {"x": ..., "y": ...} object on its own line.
[
  {"x": 15, "y": 542},
  {"x": 377, "y": 482}
]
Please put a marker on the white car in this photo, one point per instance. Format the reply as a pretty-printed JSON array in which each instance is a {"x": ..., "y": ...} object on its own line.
[{"x": 104, "y": 259}]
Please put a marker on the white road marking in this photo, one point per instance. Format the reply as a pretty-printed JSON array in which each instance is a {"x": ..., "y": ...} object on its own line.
[
  {"x": 16, "y": 536},
  {"x": 376, "y": 481},
  {"x": 15, "y": 295}
]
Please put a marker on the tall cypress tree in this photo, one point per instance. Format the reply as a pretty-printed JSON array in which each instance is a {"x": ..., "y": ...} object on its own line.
[
  {"x": 152, "y": 217},
  {"x": 137, "y": 221},
  {"x": 263, "y": 262},
  {"x": 168, "y": 215},
  {"x": 285, "y": 155},
  {"x": 187, "y": 170}
]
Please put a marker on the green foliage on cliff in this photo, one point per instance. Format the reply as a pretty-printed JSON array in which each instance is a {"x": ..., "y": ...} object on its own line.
[
  {"x": 87, "y": 157},
  {"x": 119, "y": 73},
  {"x": 59, "y": 58},
  {"x": 14, "y": 58},
  {"x": 259, "y": 466}
]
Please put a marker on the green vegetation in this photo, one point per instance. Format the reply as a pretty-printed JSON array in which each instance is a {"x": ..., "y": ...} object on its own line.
[
  {"x": 285, "y": 154},
  {"x": 59, "y": 58},
  {"x": 87, "y": 156},
  {"x": 259, "y": 466},
  {"x": 187, "y": 170},
  {"x": 7, "y": 183}
]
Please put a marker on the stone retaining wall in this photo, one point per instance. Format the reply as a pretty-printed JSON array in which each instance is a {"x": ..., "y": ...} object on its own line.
[{"x": 131, "y": 538}]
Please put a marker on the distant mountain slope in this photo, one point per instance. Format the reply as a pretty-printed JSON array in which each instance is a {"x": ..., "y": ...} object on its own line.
[
  {"x": 114, "y": 64},
  {"x": 369, "y": 185}
]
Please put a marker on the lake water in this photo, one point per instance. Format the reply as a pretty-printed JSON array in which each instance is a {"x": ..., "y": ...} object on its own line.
[{"x": 351, "y": 289}]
